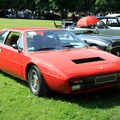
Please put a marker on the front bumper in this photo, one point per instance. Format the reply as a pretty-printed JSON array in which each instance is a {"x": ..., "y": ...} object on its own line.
[
  {"x": 94, "y": 82},
  {"x": 114, "y": 48}
]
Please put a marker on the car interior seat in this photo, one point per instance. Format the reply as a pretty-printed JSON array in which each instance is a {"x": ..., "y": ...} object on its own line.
[{"x": 12, "y": 40}]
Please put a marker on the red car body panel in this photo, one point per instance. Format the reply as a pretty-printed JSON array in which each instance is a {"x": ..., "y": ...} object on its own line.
[
  {"x": 58, "y": 66},
  {"x": 57, "y": 74}
]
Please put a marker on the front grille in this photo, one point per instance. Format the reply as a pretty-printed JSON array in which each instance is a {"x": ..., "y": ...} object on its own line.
[
  {"x": 115, "y": 50},
  {"x": 95, "y": 81},
  {"x": 116, "y": 44},
  {"x": 105, "y": 78}
]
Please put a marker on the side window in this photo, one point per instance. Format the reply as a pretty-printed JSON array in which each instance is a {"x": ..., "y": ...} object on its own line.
[
  {"x": 12, "y": 38},
  {"x": 20, "y": 44},
  {"x": 3, "y": 35}
]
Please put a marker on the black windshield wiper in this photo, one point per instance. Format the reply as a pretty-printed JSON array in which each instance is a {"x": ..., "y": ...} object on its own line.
[
  {"x": 69, "y": 46},
  {"x": 47, "y": 48}
]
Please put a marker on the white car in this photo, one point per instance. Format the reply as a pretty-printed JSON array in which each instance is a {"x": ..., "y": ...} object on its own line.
[
  {"x": 111, "y": 21},
  {"x": 113, "y": 15}
]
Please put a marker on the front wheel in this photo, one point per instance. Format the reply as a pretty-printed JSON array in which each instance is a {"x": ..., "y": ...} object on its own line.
[
  {"x": 36, "y": 82},
  {"x": 116, "y": 50}
]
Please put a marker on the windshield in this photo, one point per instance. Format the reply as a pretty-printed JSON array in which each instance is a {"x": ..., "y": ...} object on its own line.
[{"x": 52, "y": 40}]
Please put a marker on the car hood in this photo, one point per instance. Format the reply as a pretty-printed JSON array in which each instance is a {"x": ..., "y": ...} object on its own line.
[
  {"x": 97, "y": 37},
  {"x": 77, "y": 62}
]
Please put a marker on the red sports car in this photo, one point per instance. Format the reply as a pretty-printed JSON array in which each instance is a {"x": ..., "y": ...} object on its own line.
[{"x": 54, "y": 59}]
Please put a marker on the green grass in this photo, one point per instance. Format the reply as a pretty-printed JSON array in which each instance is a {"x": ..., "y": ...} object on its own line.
[
  {"x": 8, "y": 23},
  {"x": 18, "y": 103}
]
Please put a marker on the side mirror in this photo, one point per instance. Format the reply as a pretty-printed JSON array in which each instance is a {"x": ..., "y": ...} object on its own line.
[{"x": 15, "y": 46}]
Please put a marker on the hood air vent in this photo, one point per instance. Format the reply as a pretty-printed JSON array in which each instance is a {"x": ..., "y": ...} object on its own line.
[{"x": 85, "y": 60}]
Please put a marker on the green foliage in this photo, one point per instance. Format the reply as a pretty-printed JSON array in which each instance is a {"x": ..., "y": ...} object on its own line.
[
  {"x": 42, "y": 5},
  {"x": 62, "y": 6},
  {"x": 101, "y": 5},
  {"x": 101, "y": 2},
  {"x": 114, "y": 5}
]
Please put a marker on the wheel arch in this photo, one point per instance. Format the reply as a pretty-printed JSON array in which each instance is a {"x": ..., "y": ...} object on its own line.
[
  {"x": 42, "y": 88},
  {"x": 27, "y": 69},
  {"x": 93, "y": 44}
]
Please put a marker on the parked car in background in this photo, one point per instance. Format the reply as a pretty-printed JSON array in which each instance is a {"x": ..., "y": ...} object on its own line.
[
  {"x": 113, "y": 15},
  {"x": 112, "y": 22},
  {"x": 55, "y": 59},
  {"x": 107, "y": 43},
  {"x": 65, "y": 24},
  {"x": 101, "y": 28}
]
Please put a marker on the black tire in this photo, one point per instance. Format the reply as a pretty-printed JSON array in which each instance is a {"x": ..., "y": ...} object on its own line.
[{"x": 36, "y": 82}]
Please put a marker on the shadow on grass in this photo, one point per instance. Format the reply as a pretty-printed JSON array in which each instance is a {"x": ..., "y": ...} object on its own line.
[
  {"x": 22, "y": 82},
  {"x": 103, "y": 99}
]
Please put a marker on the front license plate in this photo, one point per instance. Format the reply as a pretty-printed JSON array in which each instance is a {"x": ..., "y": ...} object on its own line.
[{"x": 105, "y": 78}]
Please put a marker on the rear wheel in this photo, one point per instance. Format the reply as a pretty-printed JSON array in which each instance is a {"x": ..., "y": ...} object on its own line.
[{"x": 36, "y": 82}]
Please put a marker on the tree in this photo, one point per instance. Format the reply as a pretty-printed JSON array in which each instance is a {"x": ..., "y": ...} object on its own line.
[
  {"x": 114, "y": 5},
  {"x": 61, "y": 6},
  {"x": 101, "y": 5}
]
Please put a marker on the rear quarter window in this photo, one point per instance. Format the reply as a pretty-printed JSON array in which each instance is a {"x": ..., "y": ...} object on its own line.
[{"x": 3, "y": 35}]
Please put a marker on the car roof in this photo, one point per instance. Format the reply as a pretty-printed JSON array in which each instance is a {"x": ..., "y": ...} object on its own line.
[
  {"x": 106, "y": 17},
  {"x": 113, "y": 15},
  {"x": 30, "y": 28}
]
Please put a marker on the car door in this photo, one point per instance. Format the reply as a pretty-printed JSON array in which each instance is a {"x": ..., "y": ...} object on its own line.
[
  {"x": 3, "y": 35},
  {"x": 11, "y": 59}
]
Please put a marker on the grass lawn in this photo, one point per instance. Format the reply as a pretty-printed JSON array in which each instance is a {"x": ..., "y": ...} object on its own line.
[
  {"x": 18, "y": 103},
  {"x": 8, "y": 23}
]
